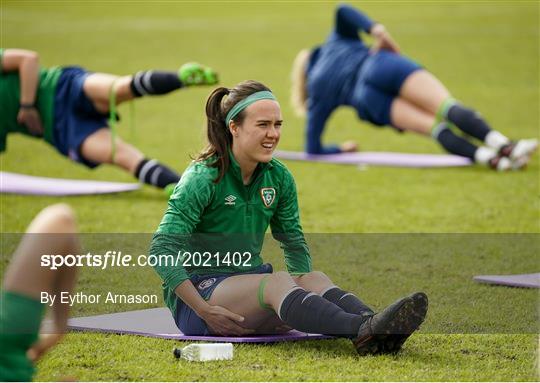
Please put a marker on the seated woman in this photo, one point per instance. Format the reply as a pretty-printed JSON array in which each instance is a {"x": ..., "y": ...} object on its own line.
[
  {"x": 388, "y": 89},
  {"x": 223, "y": 205}
]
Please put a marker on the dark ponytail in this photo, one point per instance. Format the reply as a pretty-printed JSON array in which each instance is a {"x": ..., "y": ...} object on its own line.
[{"x": 218, "y": 134}]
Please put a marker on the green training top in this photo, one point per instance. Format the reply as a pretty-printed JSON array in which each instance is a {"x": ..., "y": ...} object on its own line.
[
  {"x": 10, "y": 93},
  {"x": 226, "y": 222}
]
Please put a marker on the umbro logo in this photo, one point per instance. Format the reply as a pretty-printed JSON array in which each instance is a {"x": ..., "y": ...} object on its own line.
[{"x": 230, "y": 200}]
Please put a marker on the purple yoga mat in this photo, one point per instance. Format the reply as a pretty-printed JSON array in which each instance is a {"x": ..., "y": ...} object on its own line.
[
  {"x": 379, "y": 158},
  {"x": 158, "y": 323},
  {"x": 24, "y": 184},
  {"x": 516, "y": 280}
]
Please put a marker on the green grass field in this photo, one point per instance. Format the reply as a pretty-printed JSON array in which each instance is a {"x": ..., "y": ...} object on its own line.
[{"x": 487, "y": 53}]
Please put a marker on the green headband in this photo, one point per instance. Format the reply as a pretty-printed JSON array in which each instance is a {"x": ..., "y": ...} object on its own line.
[{"x": 240, "y": 106}]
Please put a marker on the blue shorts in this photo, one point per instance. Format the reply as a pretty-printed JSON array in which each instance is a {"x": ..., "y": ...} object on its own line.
[
  {"x": 75, "y": 117},
  {"x": 186, "y": 319},
  {"x": 379, "y": 81}
]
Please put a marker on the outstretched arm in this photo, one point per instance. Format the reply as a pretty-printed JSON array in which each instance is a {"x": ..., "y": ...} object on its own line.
[
  {"x": 27, "y": 64},
  {"x": 317, "y": 116},
  {"x": 350, "y": 20}
]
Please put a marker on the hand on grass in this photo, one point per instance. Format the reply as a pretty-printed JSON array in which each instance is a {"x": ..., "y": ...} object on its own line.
[
  {"x": 348, "y": 147},
  {"x": 383, "y": 40},
  {"x": 31, "y": 119},
  {"x": 43, "y": 344},
  {"x": 224, "y": 322}
]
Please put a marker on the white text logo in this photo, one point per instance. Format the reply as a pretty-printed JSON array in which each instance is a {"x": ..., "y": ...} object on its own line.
[{"x": 230, "y": 200}]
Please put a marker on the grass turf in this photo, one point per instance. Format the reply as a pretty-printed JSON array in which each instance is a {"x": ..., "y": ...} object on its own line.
[{"x": 486, "y": 53}]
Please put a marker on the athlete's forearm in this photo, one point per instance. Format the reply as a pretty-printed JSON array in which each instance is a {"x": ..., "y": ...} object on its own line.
[
  {"x": 167, "y": 250},
  {"x": 313, "y": 137},
  {"x": 29, "y": 75},
  {"x": 187, "y": 293},
  {"x": 27, "y": 64}
]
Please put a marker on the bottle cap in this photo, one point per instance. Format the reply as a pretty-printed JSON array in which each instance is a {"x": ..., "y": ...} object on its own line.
[{"x": 177, "y": 353}]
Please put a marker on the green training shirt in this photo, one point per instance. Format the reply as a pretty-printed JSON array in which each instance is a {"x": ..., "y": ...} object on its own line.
[
  {"x": 10, "y": 96},
  {"x": 225, "y": 224}
]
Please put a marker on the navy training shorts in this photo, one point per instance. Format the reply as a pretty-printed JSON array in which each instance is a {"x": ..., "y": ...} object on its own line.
[
  {"x": 379, "y": 81},
  {"x": 75, "y": 117},
  {"x": 186, "y": 319}
]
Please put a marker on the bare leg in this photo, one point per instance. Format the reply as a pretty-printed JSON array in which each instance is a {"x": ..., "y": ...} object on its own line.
[
  {"x": 97, "y": 148},
  {"x": 307, "y": 311},
  {"x": 97, "y": 87},
  {"x": 424, "y": 90},
  {"x": 410, "y": 117},
  {"x": 239, "y": 294}
]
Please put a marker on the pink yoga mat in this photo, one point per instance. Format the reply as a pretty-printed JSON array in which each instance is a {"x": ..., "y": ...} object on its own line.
[
  {"x": 379, "y": 158},
  {"x": 23, "y": 184},
  {"x": 158, "y": 323}
]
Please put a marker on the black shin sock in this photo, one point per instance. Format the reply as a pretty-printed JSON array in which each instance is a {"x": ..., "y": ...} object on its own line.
[
  {"x": 453, "y": 143},
  {"x": 468, "y": 120},
  {"x": 347, "y": 301},
  {"x": 309, "y": 312},
  {"x": 154, "y": 82},
  {"x": 154, "y": 173}
]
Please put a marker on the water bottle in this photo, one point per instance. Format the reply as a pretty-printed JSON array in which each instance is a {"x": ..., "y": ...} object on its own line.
[{"x": 205, "y": 351}]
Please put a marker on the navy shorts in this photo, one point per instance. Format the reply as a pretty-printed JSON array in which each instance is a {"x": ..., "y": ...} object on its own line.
[
  {"x": 186, "y": 319},
  {"x": 75, "y": 117},
  {"x": 379, "y": 81}
]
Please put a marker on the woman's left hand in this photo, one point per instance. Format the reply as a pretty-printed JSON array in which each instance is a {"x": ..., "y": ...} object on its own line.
[
  {"x": 383, "y": 40},
  {"x": 29, "y": 116}
]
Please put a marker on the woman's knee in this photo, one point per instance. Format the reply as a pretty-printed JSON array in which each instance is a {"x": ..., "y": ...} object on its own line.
[
  {"x": 98, "y": 87},
  {"x": 98, "y": 148},
  {"x": 315, "y": 281},
  {"x": 280, "y": 278},
  {"x": 275, "y": 285}
]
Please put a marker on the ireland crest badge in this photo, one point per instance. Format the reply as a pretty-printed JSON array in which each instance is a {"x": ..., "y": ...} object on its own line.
[{"x": 268, "y": 196}]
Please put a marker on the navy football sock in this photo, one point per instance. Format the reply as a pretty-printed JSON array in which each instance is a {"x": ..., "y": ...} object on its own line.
[
  {"x": 309, "y": 312},
  {"x": 468, "y": 120},
  {"x": 453, "y": 143},
  {"x": 347, "y": 301},
  {"x": 154, "y": 82},
  {"x": 156, "y": 174}
]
